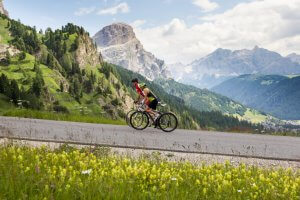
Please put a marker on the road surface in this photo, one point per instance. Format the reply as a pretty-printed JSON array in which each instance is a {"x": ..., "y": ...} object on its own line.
[{"x": 248, "y": 145}]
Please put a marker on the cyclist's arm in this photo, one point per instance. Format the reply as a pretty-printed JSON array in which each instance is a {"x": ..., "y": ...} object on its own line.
[{"x": 146, "y": 92}]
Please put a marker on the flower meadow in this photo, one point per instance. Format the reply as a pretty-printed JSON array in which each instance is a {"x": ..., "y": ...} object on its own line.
[{"x": 69, "y": 173}]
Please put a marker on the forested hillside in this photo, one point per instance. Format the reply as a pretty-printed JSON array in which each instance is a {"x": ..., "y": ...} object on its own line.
[
  {"x": 57, "y": 70},
  {"x": 205, "y": 100},
  {"x": 206, "y": 119},
  {"x": 274, "y": 94}
]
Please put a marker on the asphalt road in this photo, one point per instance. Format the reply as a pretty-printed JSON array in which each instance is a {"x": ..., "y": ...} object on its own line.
[{"x": 280, "y": 147}]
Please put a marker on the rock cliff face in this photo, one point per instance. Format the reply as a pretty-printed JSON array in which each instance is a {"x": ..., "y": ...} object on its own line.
[
  {"x": 2, "y": 9},
  {"x": 4, "y": 48},
  {"x": 119, "y": 45},
  {"x": 86, "y": 53}
]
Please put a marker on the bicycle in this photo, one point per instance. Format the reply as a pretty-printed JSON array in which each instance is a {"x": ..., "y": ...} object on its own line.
[
  {"x": 140, "y": 119},
  {"x": 127, "y": 117}
]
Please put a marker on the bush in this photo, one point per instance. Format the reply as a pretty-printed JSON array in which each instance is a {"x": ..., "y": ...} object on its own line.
[{"x": 62, "y": 109}]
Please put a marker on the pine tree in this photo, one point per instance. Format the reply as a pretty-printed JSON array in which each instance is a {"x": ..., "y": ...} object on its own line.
[
  {"x": 4, "y": 85},
  {"x": 8, "y": 58},
  {"x": 61, "y": 87},
  {"x": 65, "y": 47},
  {"x": 38, "y": 82},
  {"x": 22, "y": 56},
  {"x": 15, "y": 92}
]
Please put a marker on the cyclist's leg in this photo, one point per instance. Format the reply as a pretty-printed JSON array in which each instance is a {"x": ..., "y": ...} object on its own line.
[{"x": 152, "y": 110}]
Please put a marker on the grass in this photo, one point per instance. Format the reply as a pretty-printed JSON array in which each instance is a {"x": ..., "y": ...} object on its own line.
[
  {"x": 253, "y": 116},
  {"x": 61, "y": 117},
  {"x": 68, "y": 173},
  {"x": 4, "y": 33},
  {"x": 5, "y": 104},
  {"x": 22, "y": 71}
]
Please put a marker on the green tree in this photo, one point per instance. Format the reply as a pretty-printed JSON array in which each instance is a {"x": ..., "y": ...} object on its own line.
[
  {"x": 4, "y": 85},
  {"x": 38, "y": 83},
  {"x": 61, "y": 87},
  {"x": 22, "y": 56},
  {"x": 15, "y": 91},
  {"x": 8, "y": 58},
  {"x": 88, "y": 86}
]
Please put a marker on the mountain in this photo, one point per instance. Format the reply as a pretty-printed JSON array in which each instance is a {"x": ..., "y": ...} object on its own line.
[
  {"x": 176, "y": 70},
  {"x": 294, "y": 57},
  {"x": 58, "y": 71},
  {"x": 273, "y": 94},
  {"x": 205, "y": 100},
  {"x": 224, "y": 64},
  {"x": 2, "y": 9},
  {"x": 119, "y": 45}
]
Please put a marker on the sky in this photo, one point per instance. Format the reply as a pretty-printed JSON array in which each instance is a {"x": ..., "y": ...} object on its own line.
[{"x": 177, "y": 30}]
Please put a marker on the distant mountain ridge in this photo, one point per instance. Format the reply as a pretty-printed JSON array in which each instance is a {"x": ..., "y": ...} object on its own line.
[
  {"x": 294, "y": 57},
  {"x": 223, "y": 64},
  {"x": 273, "y": 94},
  {"x": 119, "y": 45}
]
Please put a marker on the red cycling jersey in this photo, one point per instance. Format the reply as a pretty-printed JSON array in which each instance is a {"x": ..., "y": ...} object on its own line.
[{"x": 139, "y": 90}]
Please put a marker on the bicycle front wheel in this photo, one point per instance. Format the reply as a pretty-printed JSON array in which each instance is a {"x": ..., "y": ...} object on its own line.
[
  {"x": 167, "y": 122},
  {"x": 128, "y": 117},
  {"x": 139, "y": 120}
]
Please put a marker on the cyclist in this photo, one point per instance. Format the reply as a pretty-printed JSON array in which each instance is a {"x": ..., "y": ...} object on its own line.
[{"x": 147, "y": 96}]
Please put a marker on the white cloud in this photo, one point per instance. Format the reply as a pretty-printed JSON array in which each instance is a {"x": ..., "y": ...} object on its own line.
[
  {"x": 120, "y": 8},
  {"x": 84, "y": 11},
  {"x": 266, "y": 23},
  {"x": 138, "y": 23},
  {"x": 206, "y": 5}
]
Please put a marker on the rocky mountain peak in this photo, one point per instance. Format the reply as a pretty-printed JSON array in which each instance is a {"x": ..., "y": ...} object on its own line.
[
  {"x": 114, "y": 34},
  {"x": 119, "y": 45},
  {"x": 2, "y": 9}
]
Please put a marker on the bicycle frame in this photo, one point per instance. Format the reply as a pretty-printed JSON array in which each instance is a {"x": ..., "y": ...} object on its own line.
[{"x": 142, "y": 106}]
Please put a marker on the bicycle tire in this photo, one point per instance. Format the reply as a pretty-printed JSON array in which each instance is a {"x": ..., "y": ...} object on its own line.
[
  {"x": 161, "y": 122},
  {"x": 127, "y": 118},
  {"x": 144, "y": 117}
]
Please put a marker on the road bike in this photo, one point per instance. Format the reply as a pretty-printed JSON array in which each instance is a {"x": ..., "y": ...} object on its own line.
[{"x": 140, "y": 119}]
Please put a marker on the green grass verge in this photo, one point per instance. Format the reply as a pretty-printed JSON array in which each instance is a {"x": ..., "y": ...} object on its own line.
[
  {"x": 97, "y": 173},
  {"x": 61, "y": 117}
]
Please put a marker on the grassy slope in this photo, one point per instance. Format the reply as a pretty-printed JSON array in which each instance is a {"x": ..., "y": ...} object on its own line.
[
  {"x": 23, "y": 73},
  {"x": 4, "y": 34},
  {"x": 60, "y": 116}
]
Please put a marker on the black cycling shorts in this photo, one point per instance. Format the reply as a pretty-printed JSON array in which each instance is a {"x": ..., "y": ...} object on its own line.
[{"x": 153, "y": 104}]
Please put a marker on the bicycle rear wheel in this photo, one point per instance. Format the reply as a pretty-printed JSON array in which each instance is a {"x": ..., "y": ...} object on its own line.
[
  {"x": 139, "y": 120},
  {"x": 167, "y": 122}
]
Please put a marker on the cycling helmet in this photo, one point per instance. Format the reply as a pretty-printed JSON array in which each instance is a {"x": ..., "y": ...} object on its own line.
[{"x": 135, "y": 80}]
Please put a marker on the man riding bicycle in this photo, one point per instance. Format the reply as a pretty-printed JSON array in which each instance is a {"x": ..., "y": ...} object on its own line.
[{"x": 147, "y": 96}]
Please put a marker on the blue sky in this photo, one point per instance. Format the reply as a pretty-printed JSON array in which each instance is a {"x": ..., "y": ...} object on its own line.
[
  {"x": 55, "y": 13},
  {"x": 177, "y": 30}
]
